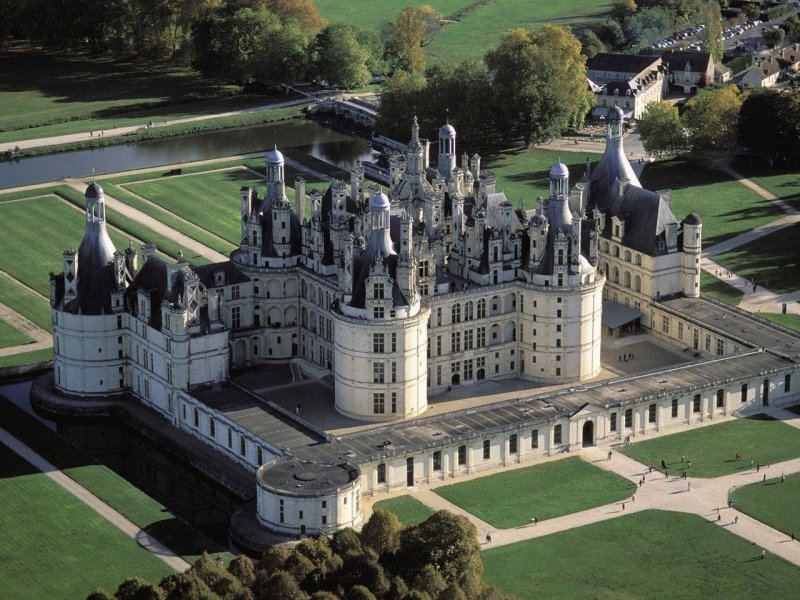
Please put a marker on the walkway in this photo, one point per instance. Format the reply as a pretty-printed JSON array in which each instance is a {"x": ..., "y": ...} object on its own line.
[
  {"x": 141, "y": 537},
  {"x": 41, "y": 339},
  {"x": 91, "y": 135}
]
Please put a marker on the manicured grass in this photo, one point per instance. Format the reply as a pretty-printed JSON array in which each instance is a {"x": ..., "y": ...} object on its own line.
[
  {"x": 27, "y": 358},
  {"x": 524, "y": 174},
  {"x": 545, "y": 491},
  {"x": 38, "y": 87},
  {"x": 783, "y": 183},
  {"x": 36, "y": 234},
  {"x": 409, "y": 510},
  {"x": 114, "y": 490},
  {"x": 773, "y": 261},
  {"x": 10, "y": 336},
  {"x": 481, "y": 29},
  {"x": 651, "y": 554},
  {"x": 788, "y": 320},
  {"x": 209, "y": 200},
  {"x": 26, "y": 303},
  {"x": 773, "y": 502},
  {"x": 712, "y": 449},
  {"x": 726, "y": 207},
  {"x": 371, "y": 14},
  {"x": 719, "y": 289},
  {"x": 43, "y": 524}
]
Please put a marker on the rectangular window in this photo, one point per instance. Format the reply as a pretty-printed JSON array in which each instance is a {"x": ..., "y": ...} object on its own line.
[
  {"x": 378, "y": 372},
  {"x": 744, "y": 392},
  {"x": 468, "y": 374},
  {"x": 378, "y": 403},
  {"x": 674, "y": 408},
  {"x": 212, "y": 427},
  {"x": 481, "y": 337},
  {"x": 377, "y": 291},
  {"x": 629, "y": 418},
  {"x": 235, "y": 292},
  {"x": 394, "y": 372},
  {"x": 455, "y": 341},
  {"x": 651, "y": 413},
  {"x": 512, "y": 443},
  {"x": 462, "y": 455},
  {"x": 382, "y": 473},
  {"x": 680, "y": 330},
  {"x": 487, "y": 449},
  {"x": 720, "y": 398},
  {"x": 720, "y": 346},
  {"x": 260, "y": 456},
  {"x": 438, "y": 345},
  {"x": 378, "y": 312},
  {"x": 394, "y": 342},
  {"x": 236, "y": 317},
  {"x": 230, "y": 438},
  {"x": 242, "y": 445},
  {"x": 535, "y": 438},
  {"x": 437, "y": 460},
  {"x": 377, "y": 343},
  {"x": 557, "y": 434},
  {"x": 468, "y": 339},
  {"x": 787, "y": 383},
  {"x": 196, "y": 415},
  {"x": 438, "y": 374},
  {"x": 439, "y": 316},
  {"x": 394, "y": 402},
  {"x": 708, "y": 343},
  {"x": 280, "y": 515},
  {"x": 612, "y": 422},
  {"x": 696, "y": 403},
  {"x": 665, "y": 324}
]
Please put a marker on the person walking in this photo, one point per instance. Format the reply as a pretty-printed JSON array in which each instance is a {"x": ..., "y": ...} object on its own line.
[
  {"x": 688, "y": 486},
  {"x": 735, "y": 519},
  {"x": 763, "y": 554}
]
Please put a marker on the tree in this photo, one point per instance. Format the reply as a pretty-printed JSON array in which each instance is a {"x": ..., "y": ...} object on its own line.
[
  {"x": 243, "y": 569},
  {"x": 360, "y": 592},
  {"x": 216, "y": 576},
  {"x": 278, "y": 586},
  {"x": 453, "y": 592},
  {"x": 539, "y": 82},
  {"x": 273, "y": 559},
  {"x": 100, "y": 594},
  {"x": 591, "y": 44},
  {"x": 711, "y": 119},
  {"x": 430, "y": 581},
  {"x": 340, "y": 59},
  {"x": 346, "y": 540},
  {"x": 446, "y": 541},
  {"x": 186, "y": 586},
  {"x": 622, "y": 9},
  {"x": 661, "y": 130},
  {"x": 752, "y": 10},
  {"x": 381, "y": 532},
  {"x": 304, "y": 12},
  {"x": 769, "y": 124},
  {"x": 712, "y": 34},
  {"x": 404, "y": 37},
  {"x": 774, "y": 36}
]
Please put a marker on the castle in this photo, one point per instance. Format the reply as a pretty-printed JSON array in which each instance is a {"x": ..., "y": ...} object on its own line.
[{"x": 439, "y": 282}]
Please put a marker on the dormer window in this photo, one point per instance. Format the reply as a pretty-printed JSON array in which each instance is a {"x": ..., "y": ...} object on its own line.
[
  {"x": 377, "y": 291},
  {"x": 219, "y": 278}
]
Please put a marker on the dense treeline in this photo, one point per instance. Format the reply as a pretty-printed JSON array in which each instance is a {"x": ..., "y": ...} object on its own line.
[
  {"x": 439, "y": 559},
  {"x": 531, "y": 87},
  {"x": 720, "y": 118}
]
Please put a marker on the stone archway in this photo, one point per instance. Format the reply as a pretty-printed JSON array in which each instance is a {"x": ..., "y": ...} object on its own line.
[{"x": 588, "y": 434}]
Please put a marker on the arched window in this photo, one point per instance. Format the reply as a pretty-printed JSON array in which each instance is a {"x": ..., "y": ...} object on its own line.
[
  {"x": 468, "y": 311},
  {"x": 455, "y": 313}
]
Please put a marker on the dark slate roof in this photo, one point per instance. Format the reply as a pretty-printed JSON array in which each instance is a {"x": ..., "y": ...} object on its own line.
[
  {"x": 646, "y": 216},
  {"x": 232, "y": 274},
  {"x": 677, "y": 59},
  {"x": 625, "y": 63},
  {"x": 95, "y": 273}
]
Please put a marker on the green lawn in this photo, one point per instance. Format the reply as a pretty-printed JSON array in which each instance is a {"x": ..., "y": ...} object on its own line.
[
  {"x": 545, "y": 491},
  {"x": 27, "y": 358},
  {"x": 54, "y": 545},
  {"x": 371, "y": 14},
  {"x": 712, "y": 449},
  {"x": 651, "y": 554},
  {"x": 726, "y": 207},
  {"x": 38, "y": 87},
  {"x": 788, "y": 320},
  {"x": 139, "y": 508},
  {"x": 773, "y": 502},
  {"x": 524, "y": 174},
  {"x": 773, "y": 261},
  {"x": 409, "y": 510},
  {"x": 26, "y": 303},
  {"x": 37, "y": 233},
  {"x": 480, "y": 30},
  {"x": 719, "y": 289},
  {"x": 784, "y": 184},
  {"x": 11, "y": 336},
  {"x": 209, "y": 200}
]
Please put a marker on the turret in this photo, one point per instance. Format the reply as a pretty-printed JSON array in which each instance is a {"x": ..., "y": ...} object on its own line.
[
  {"x": 447, "y": 151},
  {"x": 300, "y": 198},
  {"x": 131, "y": 259},
  {"x": 692, "y": 242},
  {"x": 475, "y": 166},
  {"x": 70, "y": 275},
  {"x": 357, "y": 182},
  {"x": 275, "y": 180}
]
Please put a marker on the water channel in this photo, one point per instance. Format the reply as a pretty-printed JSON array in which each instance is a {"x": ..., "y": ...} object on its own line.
[{"x": 308, "y": 136}]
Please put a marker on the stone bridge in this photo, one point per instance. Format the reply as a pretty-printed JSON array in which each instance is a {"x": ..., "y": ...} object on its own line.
[{"x": 355, "y": 109}]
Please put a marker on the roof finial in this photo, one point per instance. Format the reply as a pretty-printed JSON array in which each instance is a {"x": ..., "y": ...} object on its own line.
[
  {"x": 447, "y": 115},
  {"x": 92, "y": 175}
]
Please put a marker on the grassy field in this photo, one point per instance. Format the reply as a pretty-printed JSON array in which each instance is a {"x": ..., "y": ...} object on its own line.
[
  {"x": 481, "y": 29},
  {"x": 544, "y": 491},
  {"x": 773, "y": 502},
  {"x": 26, "y": 303},
  {"x": 10, "y": 336},
  {"x": 54, "y": 545},
  {"x": 651, "y": 554},
  {"x": 784, "y": 184},
  {"x": 409, "y": 510},
  {"x": 38, "y": 232},
  {"x": 524, "y": 174},
  {"x": 719, "y": 289},
  {"x": 38, "y": 87},
  {"x": 371, "y": 14},
  {"x": 726, "y": 207},
  {"x": 788, "y": 320},
  {"x": 27, "y": 358},
  {"x": 712, "y": 449},
  {"x": 114, "y": 490},
  {"x": 773, "y": 261}
]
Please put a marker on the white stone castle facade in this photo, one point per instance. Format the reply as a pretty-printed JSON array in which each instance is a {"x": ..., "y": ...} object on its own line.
[{"x": 439, "y": 282}]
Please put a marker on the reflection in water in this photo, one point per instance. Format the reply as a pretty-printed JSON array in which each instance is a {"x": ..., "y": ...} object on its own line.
[{"x": 308, "y": 136}]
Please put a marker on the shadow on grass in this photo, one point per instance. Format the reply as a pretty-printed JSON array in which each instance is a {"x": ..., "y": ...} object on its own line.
[
  {"x": 677, "y": 174},
  {"x": 180, "y": 537}
]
